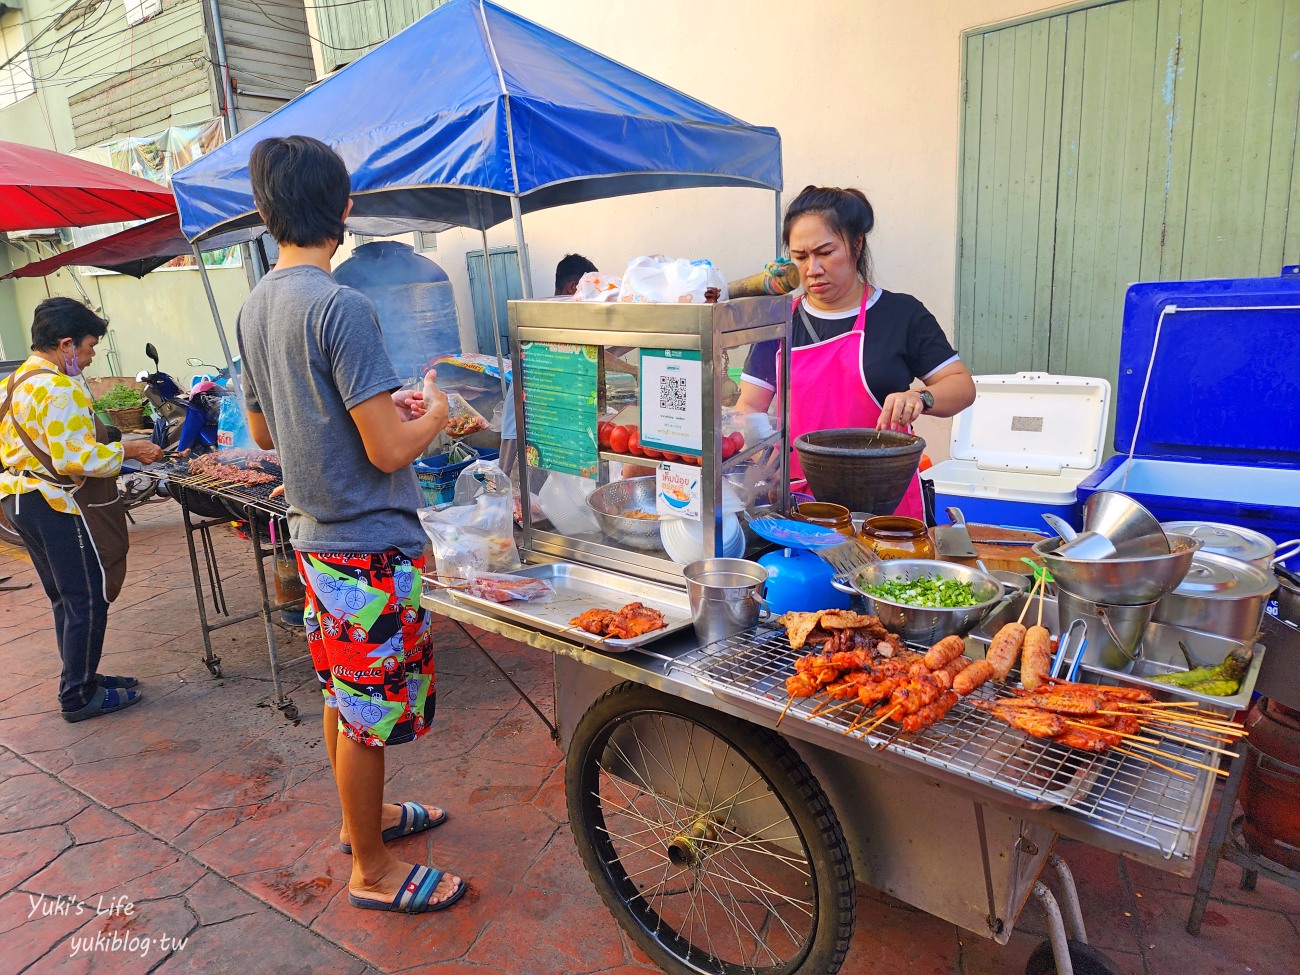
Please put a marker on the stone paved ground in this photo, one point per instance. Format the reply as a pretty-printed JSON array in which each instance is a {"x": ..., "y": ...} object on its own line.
[{"x": 217, "y": 819}]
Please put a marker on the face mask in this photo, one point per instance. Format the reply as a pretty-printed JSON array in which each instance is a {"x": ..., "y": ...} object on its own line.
[{"x": 71, "y": 366}]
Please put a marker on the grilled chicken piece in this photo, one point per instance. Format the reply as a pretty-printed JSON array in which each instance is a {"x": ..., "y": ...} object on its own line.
[
  {"x": 1062, "y": 702},
  {"x": 634, "y": 620},
  {"x": 1087, "y": 739},
  {"x": 1039, "y": 724},
  {"x": 594, "y": 621}
]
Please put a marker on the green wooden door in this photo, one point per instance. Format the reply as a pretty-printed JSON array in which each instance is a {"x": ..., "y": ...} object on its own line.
[{"x": 1125, "y": 141}]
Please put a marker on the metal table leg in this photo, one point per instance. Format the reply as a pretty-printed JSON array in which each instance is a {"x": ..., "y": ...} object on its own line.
[
  {"x": 210, "y": 659},
  {"x": 1214, "y": 849},
  {"x": 282, "y": 702},
  {"x": 555, "y": 735},
  {"x": 1055, "y": 930}
]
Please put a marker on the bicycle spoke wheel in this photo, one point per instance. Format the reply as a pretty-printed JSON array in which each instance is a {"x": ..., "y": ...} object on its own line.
[{"x": 708, "y": 838}]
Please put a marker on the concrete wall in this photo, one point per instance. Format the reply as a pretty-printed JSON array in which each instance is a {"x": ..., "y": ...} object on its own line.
[{"x": 865, "y": 93}]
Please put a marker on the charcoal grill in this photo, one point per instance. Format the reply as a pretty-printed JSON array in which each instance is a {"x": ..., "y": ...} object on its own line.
[{"x": 207, "y": 502}]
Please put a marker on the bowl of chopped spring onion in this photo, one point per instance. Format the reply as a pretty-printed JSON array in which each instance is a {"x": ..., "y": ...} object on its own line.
[{"x": 924, "y": 600}]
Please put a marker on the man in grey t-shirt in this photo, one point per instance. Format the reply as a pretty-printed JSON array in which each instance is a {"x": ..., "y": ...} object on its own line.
[{"x": 320, "y": 388}]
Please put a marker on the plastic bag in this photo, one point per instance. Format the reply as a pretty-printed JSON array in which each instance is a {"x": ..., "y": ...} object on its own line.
[
  {"x": 462, "y": 419},
  {"x": 504, "y": 588},
  {"x": 662, "y": 279},
  {"x": 594, "y": 286},
  {"x": 232, "y": 425},
  {"x": 476, "y": 533}
]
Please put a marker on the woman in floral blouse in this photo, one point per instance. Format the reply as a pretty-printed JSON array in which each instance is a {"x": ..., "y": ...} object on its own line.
[{"x": 49, "y": 448}]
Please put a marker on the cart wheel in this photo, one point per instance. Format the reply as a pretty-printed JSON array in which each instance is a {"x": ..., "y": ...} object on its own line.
[
  {"x": 1086, "y": 959},
  {"x": 290, "y": 712},
  {"x": 708, "y": 838},
  {"x": 214, "y": 666}
]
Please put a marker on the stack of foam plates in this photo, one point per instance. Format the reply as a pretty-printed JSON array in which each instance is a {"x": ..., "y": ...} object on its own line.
[{"x": 684, "y": 540}]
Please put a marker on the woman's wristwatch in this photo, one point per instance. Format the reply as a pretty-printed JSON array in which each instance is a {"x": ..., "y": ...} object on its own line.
[{"x": 927, "y": 400}]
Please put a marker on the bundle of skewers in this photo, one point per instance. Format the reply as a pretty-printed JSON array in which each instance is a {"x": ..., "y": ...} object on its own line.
[{"x": 863, "y": 665}]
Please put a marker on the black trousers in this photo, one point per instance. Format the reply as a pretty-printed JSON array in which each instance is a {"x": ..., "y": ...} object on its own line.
[{"x": 69, "y": 569}]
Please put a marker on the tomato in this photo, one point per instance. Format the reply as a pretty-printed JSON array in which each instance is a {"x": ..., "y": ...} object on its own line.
[
  {"x": 603, "y": 429},
  {"x": 670, "y": 456},
  {"x": 652, "y": 453},
  {"x": 728, "y": 447},
  {"x": 634, "y": 443},
  {"x": 618, "y": 438},
  {"x": 737, "y": 441}
]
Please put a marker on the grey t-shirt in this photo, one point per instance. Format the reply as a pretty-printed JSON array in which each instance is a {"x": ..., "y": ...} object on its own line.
[{"x": 312, "y": 350}]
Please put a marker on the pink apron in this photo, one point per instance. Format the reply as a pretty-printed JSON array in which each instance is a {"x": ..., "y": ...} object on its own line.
[{"x": 826, "y": 395}]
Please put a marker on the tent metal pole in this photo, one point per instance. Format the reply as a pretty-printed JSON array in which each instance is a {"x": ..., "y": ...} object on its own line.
[
  {"x": 212, "y": 303},
  {"x": 496, "y": 325},
  {"x": 777, "y": 252},
  {"x": 525, "y": 278}
]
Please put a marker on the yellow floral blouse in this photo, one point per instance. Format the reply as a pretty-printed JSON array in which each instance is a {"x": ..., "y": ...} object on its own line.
[{"x": 55, "y": 411}]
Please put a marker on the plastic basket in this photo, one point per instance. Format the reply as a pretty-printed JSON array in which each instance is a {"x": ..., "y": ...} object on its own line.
[{"x": 438, "y": 478}]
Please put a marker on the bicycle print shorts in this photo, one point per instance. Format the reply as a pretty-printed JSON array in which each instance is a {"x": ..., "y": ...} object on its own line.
[{"x": 370, "y": 642}]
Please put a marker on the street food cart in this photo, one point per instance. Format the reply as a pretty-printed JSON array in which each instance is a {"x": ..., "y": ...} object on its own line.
[{"x": 722, "y": 846}]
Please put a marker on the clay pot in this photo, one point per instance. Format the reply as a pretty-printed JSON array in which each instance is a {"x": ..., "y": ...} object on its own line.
[
  {"x": 862, "y": 469},
  {"x": 1270, "y": 788}
]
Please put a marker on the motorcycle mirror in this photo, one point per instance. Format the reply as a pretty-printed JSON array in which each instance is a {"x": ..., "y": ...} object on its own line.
[
  {"x": 152, "y": 353},
  {"x": 142, "y": 376},
  {"x": 192, "y": 361}
]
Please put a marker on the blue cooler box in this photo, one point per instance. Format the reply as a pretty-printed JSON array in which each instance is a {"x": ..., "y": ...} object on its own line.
[
  {"x": 1022, "y": 448},
  {"x": 1209, "y": 403}
]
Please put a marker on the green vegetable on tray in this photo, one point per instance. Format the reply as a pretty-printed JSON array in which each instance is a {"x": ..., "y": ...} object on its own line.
[
  {"x": 928, "y": 592},
  {"x": 1221, "y": 681}
]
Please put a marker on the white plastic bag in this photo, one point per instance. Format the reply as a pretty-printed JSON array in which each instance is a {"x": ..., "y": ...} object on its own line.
[
  {"x": 476, "y": 533},
  {"x": 662, "y": 279},
  {"x": 594, "y": 286}
]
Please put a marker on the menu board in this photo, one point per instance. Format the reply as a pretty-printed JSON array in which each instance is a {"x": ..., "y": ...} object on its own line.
[
  {"x": 559, "y": 386},
  {"x": 672, "y": 400}
]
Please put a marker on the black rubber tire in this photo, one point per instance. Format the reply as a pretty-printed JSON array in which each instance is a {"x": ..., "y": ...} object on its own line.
[
  {"x": 1086, "y": 959},
  {"x": 828, "y": 863},
  {"x": 214, "y": 667}
]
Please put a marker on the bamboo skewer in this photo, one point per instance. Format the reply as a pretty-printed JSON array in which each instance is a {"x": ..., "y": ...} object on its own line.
[
  {"x": 838, "y": 707},
  {"x": 1152, "y": 761},
  {"x": 1042, "y": 596},
  {"x": 854, "y": 723},
  {"x": 879, "y": 721},
  {"x": 1225, "y": 739},
  {"x": 1180, "y": 759},
  {"x": 1030, "y": 601},
  {"x": 788, "y": 705},
  {"x": 1166, "y": 736}
]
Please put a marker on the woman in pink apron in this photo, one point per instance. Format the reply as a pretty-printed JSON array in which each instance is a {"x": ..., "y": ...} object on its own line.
[{"x": 856, "y": 350}]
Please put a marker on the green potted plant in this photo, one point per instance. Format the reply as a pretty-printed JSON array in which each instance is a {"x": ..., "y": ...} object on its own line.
[{"x": 123, "y": 405}]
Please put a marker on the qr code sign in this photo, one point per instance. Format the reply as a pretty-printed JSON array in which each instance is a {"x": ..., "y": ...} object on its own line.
[{"x": 672, "y": 393}]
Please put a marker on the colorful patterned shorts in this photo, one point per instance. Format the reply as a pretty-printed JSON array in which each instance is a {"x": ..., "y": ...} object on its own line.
[{"x": 370, "y": 642}]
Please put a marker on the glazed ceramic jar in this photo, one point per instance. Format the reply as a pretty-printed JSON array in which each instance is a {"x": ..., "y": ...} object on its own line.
[{"x": 896, "y": 537}]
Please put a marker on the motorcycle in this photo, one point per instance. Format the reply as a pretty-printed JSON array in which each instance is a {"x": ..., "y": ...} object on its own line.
[{"x": 183, "y": 422}]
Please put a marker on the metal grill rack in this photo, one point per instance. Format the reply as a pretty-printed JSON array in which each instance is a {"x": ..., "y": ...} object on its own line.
[
  {"x": 1129, "y": 797},
  {"x": 216, "y": 502}
]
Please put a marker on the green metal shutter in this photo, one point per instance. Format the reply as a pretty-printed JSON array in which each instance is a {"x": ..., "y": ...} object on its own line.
[
  {"x": 1126, "y": 141},
  {"x": 507, "y": 286}
]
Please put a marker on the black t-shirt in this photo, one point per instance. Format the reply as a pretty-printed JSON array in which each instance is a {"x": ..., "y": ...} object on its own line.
[{"x": 902, "y": 342}]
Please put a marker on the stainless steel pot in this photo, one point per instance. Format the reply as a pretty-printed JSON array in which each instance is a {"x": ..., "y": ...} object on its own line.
[
  {"x": 1238, "y": 543},
  {"x": 1219, "y": 595}
]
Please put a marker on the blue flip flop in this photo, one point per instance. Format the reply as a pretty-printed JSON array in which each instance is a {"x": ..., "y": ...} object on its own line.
[
  {"x": 415, "y": 819},
  {"x": 419, "y": 886}
]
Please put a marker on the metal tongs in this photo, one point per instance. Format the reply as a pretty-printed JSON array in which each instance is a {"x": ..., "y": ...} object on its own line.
[{"x": 1077, "y": 629}]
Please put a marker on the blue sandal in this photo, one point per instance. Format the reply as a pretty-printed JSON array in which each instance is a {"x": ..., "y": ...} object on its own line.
[
  {"x": 420, "y": 884},
  {"x": 415, "y": 819},
  {"x": 105, "y": 700},
  {"x": 116, "y": 683}
]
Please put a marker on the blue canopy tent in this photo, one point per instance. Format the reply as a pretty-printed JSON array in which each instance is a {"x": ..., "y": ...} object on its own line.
[{"x": 474, "y": 115}]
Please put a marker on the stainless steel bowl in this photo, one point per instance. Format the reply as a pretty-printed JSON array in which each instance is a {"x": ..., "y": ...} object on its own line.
[
  {"x": 1121, "y": 582},
  {"x": 1127, "y": 525},
  {"x": 634, "y": 494},
  {"x": 917, "y": 624}
]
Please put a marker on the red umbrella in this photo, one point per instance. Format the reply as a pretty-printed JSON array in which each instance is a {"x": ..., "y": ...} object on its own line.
[{"x": 40, "y": 188}]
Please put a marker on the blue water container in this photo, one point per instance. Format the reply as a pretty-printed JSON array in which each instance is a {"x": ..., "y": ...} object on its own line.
[{"x": 414, "y": 301}]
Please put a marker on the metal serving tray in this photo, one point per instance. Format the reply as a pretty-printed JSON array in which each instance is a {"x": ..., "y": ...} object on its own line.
[
  {"x": 1160, "y": 655},
  {"x": 579, "y": 588}
]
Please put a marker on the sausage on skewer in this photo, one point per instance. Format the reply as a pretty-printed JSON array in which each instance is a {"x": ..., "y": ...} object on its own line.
[
  {"x": 1036, "y": 660},
  {"x": 944, "y": 652},
  {"x": 972, "y": 677},
  {"x": 1005, "y": 648}
]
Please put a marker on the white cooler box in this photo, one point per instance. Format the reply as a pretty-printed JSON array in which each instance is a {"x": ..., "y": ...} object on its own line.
[{"x": 1021, "y": 449}]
